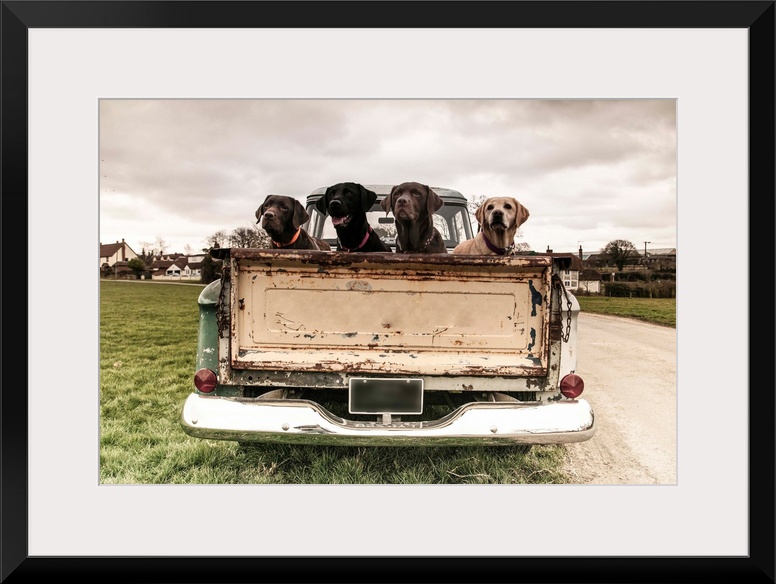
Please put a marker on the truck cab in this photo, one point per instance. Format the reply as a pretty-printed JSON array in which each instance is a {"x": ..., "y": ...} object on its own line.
[{"x": 452, "y": 220}]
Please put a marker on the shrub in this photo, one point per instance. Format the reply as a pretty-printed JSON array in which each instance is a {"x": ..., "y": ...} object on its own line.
[
  {"x": 640, "y": 290},
  {"x": 669, "y": 275},
  {"x": 211, "y": 270}
]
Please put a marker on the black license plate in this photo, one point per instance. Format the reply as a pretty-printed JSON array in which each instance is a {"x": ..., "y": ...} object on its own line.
[{"x": 385, "y": 396}]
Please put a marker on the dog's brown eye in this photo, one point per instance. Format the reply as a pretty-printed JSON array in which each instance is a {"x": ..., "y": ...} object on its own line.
[
  {"x": 507, "y": 206},
  {"x": 489, "y": 208}
]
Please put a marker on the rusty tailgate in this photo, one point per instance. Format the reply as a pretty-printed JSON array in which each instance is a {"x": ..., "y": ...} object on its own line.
[{"x": 385, "y": 313}]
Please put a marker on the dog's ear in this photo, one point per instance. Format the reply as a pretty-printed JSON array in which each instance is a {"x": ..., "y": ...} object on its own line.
[
  {"x": 387, "y": 202},
  {"x": 479, "y": 214},
  {"x": 260, "y": 210},
  {"x": 521, "y": 215},
  {"x": 368, "y": 198},
  {"x": 300, "y": 214},
  {"x": 322, "y": 204},
  {"x": 433, "y": 202}
]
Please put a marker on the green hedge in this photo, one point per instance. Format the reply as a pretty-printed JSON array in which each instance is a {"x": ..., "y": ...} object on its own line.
[{"x": 640, "y": 289}]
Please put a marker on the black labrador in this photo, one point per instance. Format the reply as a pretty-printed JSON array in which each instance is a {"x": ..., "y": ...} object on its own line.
[{"x": 347, "y": 203}]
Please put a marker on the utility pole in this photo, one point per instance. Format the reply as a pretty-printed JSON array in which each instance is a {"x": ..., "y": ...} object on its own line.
[{"x": 645, "y": 250}]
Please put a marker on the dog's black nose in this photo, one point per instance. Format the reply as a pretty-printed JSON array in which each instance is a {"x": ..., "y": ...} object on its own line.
[
  {"x": 335, "y": 204},
  {"x": 269, "y": 215},
  {"x": 498, "y": 214}
]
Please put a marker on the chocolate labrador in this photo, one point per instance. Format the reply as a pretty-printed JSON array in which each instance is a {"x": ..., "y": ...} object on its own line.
[
  {"x": 282, "y": 217},
  {"x": 413, "y": 206},
  {"x": 347, "y": 204},
  {"x": 499, "y": 218}
]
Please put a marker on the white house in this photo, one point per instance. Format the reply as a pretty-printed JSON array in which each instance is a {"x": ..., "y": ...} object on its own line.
[{"x": 110, "y": 253}]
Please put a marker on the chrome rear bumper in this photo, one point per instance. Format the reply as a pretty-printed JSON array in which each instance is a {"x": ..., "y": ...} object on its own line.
[{"x": 292, "y": 421}]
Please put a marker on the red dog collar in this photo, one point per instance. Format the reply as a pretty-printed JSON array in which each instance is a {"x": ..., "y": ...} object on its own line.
[{"x": 360, "y": 245}]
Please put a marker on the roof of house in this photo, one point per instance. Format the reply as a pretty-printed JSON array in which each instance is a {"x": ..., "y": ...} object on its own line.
[
  {"x": 161, "y": 264},
  {"x": 662, "y": 251},
  {"x": 168, "y": 256},
  {"x": 576, "y": 263},
  {"x": 589, "y": 274},
  {"x": 109, "y": 249}
]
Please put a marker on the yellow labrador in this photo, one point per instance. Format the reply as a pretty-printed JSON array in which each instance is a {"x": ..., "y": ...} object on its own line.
[{"x": 499, "y": 218}]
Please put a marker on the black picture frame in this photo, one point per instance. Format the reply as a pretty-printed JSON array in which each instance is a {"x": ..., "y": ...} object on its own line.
[{"x": 756, "y": 16}]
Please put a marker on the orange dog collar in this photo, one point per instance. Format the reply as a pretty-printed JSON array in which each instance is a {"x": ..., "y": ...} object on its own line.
[{"x": 293, "y": 239}]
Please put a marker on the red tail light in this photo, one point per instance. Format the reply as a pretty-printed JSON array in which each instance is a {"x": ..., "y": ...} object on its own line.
[
  {"x": 205, "y": 380},
  {"x": 571, "y": 386}
]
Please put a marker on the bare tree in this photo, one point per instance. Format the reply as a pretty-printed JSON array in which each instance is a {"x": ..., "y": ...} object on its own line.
[
  {"x": 160, "y": 245},
  {"x": 252, "y": 236},
  {"x": 475, "y": 202},
  {"x": 621, "y": 252},
  {"x": 147, "y": 252},
  {"x": 219, "y": 239},
  {"x": 152, "y": 249}
]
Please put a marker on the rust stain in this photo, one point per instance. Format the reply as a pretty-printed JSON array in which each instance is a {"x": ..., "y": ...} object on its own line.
[{"x": 323, "y": 258}]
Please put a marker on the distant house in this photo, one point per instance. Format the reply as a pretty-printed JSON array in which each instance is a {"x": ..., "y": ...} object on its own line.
[
  {"x": 656, "y": 260},
  {"x": 159, "y": 267},
  {"x": 110, "y": 253},
  {"x": 589, "y": 281},
  {"x": 177, "y": 266},
  {"x": 194, "y": 266},
  {"x": 661, "y": 259},
  {"x": 577, "y": 277},
  {"x": 114, "y": 258},
  {"x": 599, "y": 260},
  {"x": 570, "y": 276}
]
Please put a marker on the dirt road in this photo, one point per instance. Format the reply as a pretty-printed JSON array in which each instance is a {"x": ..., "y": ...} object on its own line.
[{"x": 629, "y": 370}]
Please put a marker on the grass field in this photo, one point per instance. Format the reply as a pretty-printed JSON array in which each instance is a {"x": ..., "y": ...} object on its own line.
[
  {"x": 148, "y": 341},
  {"x": 660, "y": 311}
]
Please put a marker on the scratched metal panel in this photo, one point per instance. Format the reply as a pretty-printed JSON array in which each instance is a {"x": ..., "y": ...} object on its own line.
[{"x": 383, "y": 314}]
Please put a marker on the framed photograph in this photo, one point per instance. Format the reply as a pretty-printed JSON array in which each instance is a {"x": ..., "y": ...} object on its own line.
[{"x": 713, "y": 59}]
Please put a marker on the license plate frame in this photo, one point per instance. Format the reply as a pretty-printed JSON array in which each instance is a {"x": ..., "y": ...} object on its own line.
[{"x": 385, "y": 395}]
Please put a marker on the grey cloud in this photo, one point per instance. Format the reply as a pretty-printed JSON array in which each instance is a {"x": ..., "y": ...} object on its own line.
[{"x": 211, "y": 162}]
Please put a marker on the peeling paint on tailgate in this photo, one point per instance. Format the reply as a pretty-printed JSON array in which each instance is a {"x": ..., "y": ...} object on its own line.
[{"x": 396, "y": 314}]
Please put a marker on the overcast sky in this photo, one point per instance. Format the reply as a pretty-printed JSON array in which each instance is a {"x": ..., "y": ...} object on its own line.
[{"x": 589, "y": 171}]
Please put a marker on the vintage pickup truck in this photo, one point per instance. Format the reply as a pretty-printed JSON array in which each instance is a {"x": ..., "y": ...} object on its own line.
[{"x": 315, "y": 347}]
